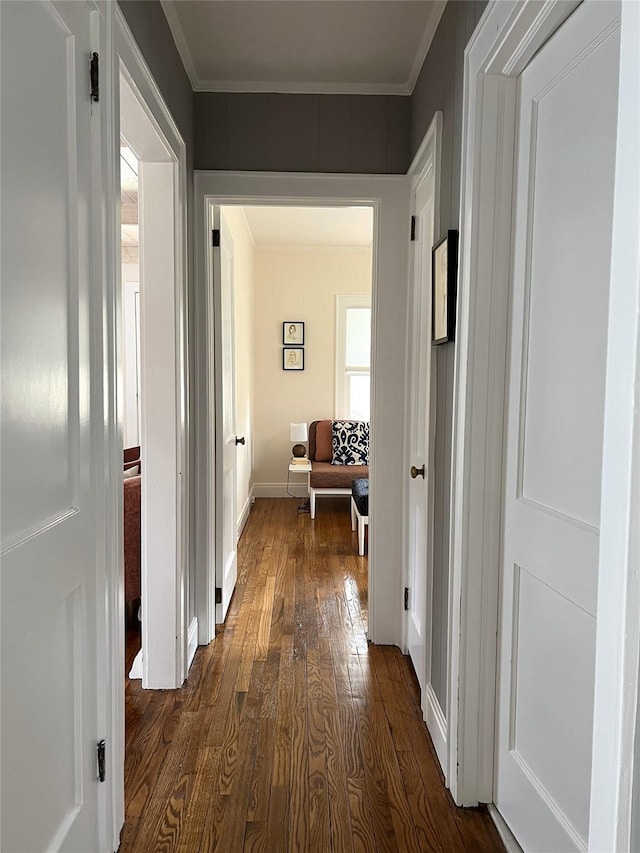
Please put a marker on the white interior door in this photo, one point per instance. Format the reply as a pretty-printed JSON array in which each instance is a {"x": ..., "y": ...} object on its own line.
[
  {"x": 562, "y": 242},
  {"x": 50, "y": 456},
  {"x": 420, "y": 526},
  {"x": 226, "y": 439}
]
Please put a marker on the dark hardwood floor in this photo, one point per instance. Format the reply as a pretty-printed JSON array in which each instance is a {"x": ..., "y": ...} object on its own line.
[{"x": 291, "y": 732}]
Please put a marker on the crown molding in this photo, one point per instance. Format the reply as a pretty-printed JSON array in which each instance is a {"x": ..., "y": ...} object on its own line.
[
  {"x": 278, "y": 88},
  {"x": 305, "y": 88},
  {"x": 180, "y": 41},
  {"x": 427, "y": 38}
]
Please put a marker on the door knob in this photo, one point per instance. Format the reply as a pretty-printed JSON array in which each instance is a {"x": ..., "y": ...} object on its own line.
[
  {"x": 240, "y": 440},
  {"x": 417, "y": 471}
]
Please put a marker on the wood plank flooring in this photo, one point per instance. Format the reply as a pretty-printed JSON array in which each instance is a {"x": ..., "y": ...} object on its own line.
[{"x": 291, "y": 733}]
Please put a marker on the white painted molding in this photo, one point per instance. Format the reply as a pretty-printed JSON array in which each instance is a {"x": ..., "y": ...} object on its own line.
[
  {"x": 192, "y": 645},
  {"x": 508, "y": 35},
  {"x": 167, "y": 146},
  {"x": 389, "y": 197},
  {"x": 302, "y": 88},
  {"x": 615, "y": 777},
  {"x": 180, "y": 41},
  {"x": 276, "y": 87},
  {"x": 508, "y": 838},
  {"x": 437, "y": 725},
  {"x": 244, "y": 515},
  {"x": 437, "y": 10},
  {"x": 279, "y": 490}
]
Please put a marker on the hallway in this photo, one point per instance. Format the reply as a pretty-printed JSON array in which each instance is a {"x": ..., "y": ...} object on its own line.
[{"x": 291, "y": 733}]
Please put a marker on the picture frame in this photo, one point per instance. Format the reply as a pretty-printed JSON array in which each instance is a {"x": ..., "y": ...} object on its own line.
[
  {"x": 293, "y": 358},
  {"x": 444, "y": 280},
  {"x": 293, "y": 333}
]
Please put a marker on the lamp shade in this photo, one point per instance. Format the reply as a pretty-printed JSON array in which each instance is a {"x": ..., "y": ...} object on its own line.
[{"x": 299, "y": 432}]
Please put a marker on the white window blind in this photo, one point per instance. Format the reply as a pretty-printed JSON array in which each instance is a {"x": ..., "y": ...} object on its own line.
[{"x": 358, "y": 343}]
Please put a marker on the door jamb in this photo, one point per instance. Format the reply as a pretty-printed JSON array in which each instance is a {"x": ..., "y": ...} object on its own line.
[
  {"x": 506, "y": 39},
  {"x": 121, "y": 50},
  {"x": 389, "y": 197}
]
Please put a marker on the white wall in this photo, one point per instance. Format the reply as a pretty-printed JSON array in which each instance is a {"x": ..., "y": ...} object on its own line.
[
  {"x": 243, "y": 263},
  {"x": 297, "y": 284}
]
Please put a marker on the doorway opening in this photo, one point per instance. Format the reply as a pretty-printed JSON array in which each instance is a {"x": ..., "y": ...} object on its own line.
[
  {"x": 153, "y": 408},
  {"x": 291, "y": 336}
]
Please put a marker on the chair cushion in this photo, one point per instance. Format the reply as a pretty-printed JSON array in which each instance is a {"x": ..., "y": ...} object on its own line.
[
  {"x": 360, "y": 494},
  {"x": 350, "y": 442},
  {"x": 324, "y": 475},
  {"x": 324, "y": 445}
]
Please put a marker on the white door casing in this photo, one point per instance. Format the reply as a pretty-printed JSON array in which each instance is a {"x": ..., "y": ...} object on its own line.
[
  {"x": 560, "y": 292},
  {"x": 226, "y": 570},
  {"x": 52, "y": 453},
  {"x": 421, "y": 435},
  {"x": 389, "y": 197}
]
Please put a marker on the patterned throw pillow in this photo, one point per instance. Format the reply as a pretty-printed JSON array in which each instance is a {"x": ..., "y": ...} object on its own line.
[{"x": 350, "y": 442}]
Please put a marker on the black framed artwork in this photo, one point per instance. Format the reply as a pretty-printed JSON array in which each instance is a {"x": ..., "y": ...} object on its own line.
[
  {"x": 444, "y": 279},
  {"x": 293, "y": 333},
  {"x": 292, "y": 358}
]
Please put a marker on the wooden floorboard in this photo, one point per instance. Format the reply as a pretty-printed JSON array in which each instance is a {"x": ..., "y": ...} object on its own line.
[{"x": 291, "y": 733}]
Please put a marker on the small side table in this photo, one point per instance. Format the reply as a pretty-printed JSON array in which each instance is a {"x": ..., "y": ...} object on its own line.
[{"x": 298, "y": 466}]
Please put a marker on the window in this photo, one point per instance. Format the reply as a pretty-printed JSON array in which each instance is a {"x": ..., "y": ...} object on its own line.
[{"x": 353, "y": 357}]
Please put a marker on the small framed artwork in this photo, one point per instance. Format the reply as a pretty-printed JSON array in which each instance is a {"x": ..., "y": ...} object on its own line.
[
  {"x": 444, "y": 276},
  {"x": 293, "y": 333},
  {"x": 293, "y": 358}
]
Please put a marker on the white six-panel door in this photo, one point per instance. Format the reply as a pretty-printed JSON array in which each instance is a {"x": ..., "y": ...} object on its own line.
[
  {"x": 50, "y": 288},
  {"x": 559, "y": 305}
]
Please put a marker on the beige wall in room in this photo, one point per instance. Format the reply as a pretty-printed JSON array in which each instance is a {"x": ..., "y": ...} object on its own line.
[
  {"x": 297, "y": 284},
  {"x": 243, "y": 321}
]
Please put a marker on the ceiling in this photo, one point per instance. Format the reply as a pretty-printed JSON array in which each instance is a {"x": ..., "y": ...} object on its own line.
[
  {"x": 310, "y": 226},
  {"x": 313, "y": 46}
]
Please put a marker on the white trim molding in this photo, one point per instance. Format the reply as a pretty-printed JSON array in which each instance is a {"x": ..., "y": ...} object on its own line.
[
  {"x": 615, "y": 780},
  {"x": 389, "y": 198}
]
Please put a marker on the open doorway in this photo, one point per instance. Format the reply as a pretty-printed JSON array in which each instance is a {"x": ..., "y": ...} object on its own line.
[
  {"x": 152, "y": 392},
  {"x": 290, "y": 344}
]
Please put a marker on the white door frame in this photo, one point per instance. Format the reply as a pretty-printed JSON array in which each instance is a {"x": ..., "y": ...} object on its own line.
[
  {"x": 389, "y": 196},
  {"x": 124, "y": 57},
  {"x": 427, "y": 160},
  {"x": 507, "y": 37}
]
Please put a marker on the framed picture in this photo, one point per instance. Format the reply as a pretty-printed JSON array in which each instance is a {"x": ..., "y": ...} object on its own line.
[
  {"x": 293, "y": 333},
  {"x": 444, "y": 276},
  {"x": 293, "y": 358}
]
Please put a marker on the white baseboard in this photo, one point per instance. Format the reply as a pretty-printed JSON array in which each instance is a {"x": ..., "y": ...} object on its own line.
[
  {"x": 279, "y": 490},
  {"x": 192, "y": 643},
  {"x": 508, "y": 838},
  {"x": 244, "y": 515},
  {"x": 437, "y": 726}
]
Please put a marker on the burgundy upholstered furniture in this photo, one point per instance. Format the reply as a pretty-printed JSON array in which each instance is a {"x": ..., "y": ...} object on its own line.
[
  {"x": 131, "y": 503},
  {"x": 327, "y": 479}
]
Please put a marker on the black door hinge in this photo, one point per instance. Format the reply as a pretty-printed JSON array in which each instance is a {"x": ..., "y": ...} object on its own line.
[
  {"x": 406, "y": 598},
  {"x": 215, "y": 238},
  {"x": 218, "y": 595},
  {"x": 413, "y": 228},
  {"x": 95, "y": 78},
  {"x": 101, "y": 749}
]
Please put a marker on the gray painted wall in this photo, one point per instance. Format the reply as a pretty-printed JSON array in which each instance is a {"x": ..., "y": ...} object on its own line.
[
  {"x": 439, "y": 87},
  {"x": 367, "y": 134},
  {"x": 336, "y": 133}
]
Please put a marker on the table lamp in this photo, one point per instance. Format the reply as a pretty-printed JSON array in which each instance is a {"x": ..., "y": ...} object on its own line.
[{"x": 299, "y": 433}]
